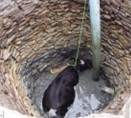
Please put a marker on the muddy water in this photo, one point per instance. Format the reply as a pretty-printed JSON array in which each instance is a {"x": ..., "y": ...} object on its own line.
[{"x": 89, "y": 98}]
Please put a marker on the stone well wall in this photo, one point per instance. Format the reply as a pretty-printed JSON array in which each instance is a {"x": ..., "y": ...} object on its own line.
[{"x": 31, "y": 28}]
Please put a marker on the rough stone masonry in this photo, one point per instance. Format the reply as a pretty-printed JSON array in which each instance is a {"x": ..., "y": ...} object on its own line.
[{"x": 30, "y": 28}]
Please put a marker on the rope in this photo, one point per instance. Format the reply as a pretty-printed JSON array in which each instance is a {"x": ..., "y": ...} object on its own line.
[{"x": 81, "y": 33}]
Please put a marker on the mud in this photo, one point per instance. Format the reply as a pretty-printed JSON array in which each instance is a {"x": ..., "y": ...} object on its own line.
[{"x": 89, "y": 98}]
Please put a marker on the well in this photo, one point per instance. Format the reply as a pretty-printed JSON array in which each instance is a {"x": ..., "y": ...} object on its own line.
[{"x": 32, "y": 29}]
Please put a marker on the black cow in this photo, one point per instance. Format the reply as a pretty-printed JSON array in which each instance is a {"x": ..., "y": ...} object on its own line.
[{"x": 60, "y": 93}]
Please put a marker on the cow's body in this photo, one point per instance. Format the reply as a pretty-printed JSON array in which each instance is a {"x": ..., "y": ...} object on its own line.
[{"x": 60, "y": 94}]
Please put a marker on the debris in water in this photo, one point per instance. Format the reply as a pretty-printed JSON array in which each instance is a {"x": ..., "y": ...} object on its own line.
[{"x": 107, "y": 89}]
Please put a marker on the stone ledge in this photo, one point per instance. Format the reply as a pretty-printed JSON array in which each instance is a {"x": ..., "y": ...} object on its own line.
[{"x": 7, "y": 113}]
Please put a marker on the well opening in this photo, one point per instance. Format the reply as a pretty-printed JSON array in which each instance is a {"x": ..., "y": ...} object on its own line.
[{"x": 40, "y": 34}]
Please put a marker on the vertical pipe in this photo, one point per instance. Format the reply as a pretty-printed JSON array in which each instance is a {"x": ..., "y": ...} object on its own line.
[{"x": 96, "y": 35}]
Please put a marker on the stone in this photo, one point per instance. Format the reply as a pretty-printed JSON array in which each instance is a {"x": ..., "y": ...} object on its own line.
[
  {"x": 7, "y": 22},
  {"x": 28, "y": 9},
  {"x": 9, "y": 40},
  {"x": 103, "y": 115},
  {"x": 6, "y": 54},
  {"x": 18, "y": 42},
  {"x": 107, "y": 17},
  {"x": 32, "y": 22},
  {"x": 7, "y": 113},
  {"x": 21, "y": 28}
]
